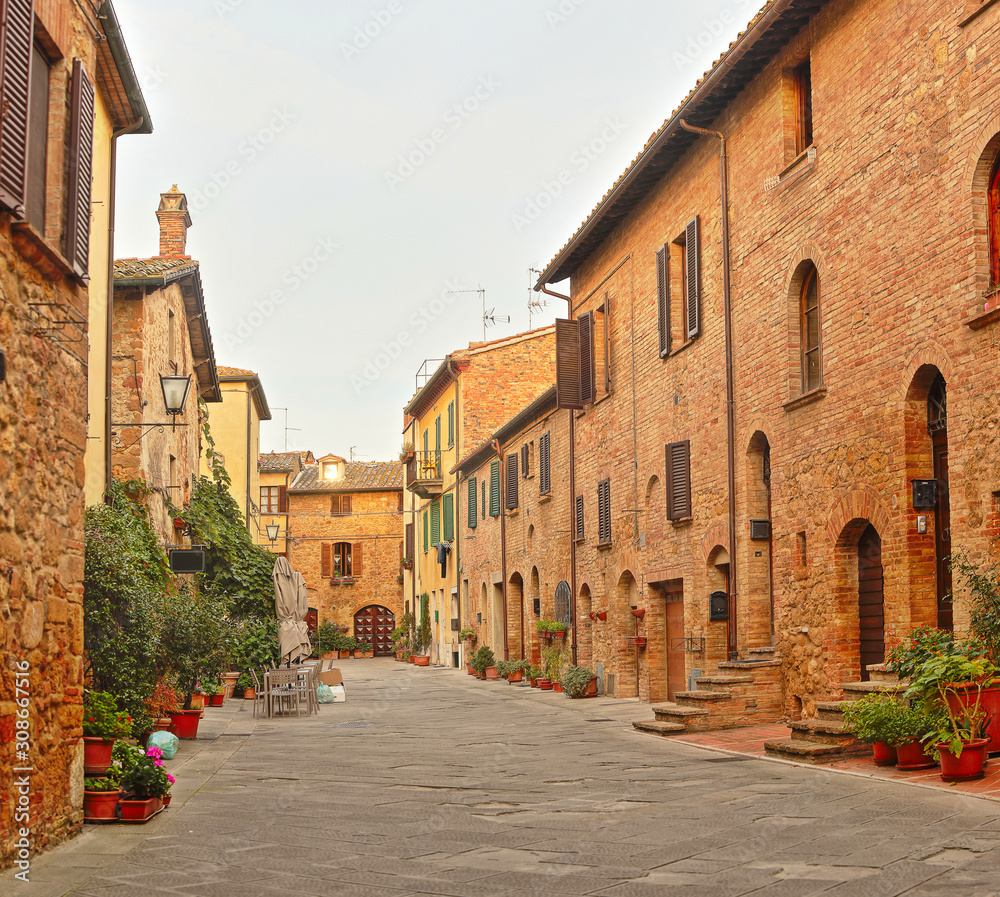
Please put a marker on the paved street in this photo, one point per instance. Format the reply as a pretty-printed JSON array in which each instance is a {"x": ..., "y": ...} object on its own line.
[{"x": 429, "y": 782}]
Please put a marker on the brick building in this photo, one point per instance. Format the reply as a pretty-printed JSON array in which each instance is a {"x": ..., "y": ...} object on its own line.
[
  {"x": 275, "y": 472},
  {"x": 345, "y": 536},
  {"x": 766, "y": 385},
  {"x": 160, "y": 330},
  {"x": 456, "y": 407}
]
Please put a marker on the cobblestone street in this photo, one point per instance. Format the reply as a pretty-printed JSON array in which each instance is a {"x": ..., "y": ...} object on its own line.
[{"x": 428, "y": 782}]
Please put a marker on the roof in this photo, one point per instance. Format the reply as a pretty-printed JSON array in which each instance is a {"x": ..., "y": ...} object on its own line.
[
  {"x": 116, "y": 78},
  {"x": 359, "y": 476},
  {"x": 282, "y": 462},
  {"x": 771, "y": 29},
  {"x": 241, "y": 375},
  {"x": 156, "y": 273},
  {"x": 526, "y": 416}
]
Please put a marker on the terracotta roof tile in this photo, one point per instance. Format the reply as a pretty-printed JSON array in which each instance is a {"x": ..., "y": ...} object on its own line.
[
  {"x": 225, "y": 371},
  {"x": 153, "y": 268},
  {"x": 358, "y": 476},
  {"x": 281, "y": 461}
]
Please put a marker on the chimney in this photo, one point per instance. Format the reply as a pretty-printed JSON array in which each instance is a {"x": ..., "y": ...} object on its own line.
[{"x": 174, "y": 221}]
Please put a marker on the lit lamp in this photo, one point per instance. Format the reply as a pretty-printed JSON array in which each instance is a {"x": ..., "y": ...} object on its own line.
[
  {"x": 272, "y": 532},
  {"x": 175, "y": 392}
]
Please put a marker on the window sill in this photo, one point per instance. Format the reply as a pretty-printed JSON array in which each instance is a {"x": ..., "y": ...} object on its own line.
[
  {"x": 986, "y": 4},
  {"x": 42, "y": 254},
  {"x": 802, "y": 163},
  {"x": 681, "y": 521},
  {"x": 681, "y": 347},
  {"x": 582, "y": 411},
  {"x": 807, "y": 398},
  {"x": 343, "y": 581},
  {"x": 989, "y": 314},
  {"x": 605, "y": 546},
  {"x": 513, "y": 512},
  {"x": 544, "y": 497}
]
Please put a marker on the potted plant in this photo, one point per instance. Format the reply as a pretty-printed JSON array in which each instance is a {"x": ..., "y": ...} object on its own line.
[
  {"x": 245, "y": 685},
  {"x": 145, "y": 782},
  {"x": 407, "y": 452},
  {"x": 213, "y": 692},
  {"x": 364, "y": 649},
  {"x": 100, "y": 798},
  {"x": 552, "y": 659},
  {"x": 407, "y": 563},
  {"x": 534, "y": 674},
  {"x": 483, "y": 660},
  {"x": 883, "y": 721},
  {"x": 102, "y": 724},
  {"x": 579, "y": 682},
  {"x": 467, "y": 634}
]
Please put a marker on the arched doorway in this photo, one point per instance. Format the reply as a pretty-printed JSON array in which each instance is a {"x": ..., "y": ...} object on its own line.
[
  {"x": 871, "y": 600},
  {"x": 374, "y": 624},
  {"x": 515, "y": 608}
]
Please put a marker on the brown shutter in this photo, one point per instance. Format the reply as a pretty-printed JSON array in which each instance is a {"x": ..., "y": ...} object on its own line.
[
  {"x": 678, "y": 469},
  {"x": 282, "y": 500},
  {"x": 524, "y": 460},
  {"x": 544, "y": 479},
  {"x": 345, "y": 504},
  {"x": 409, "y": 541},
  {"x": 579, "y": 517},
  {"x": 663, "y": 299},
  {"x": 401, "y": 509},
  {"x": 325, "y": 560},
  {"x": 587, "y": 358},
  {"x": 356, "y": 559},
  {"x": 692, "y": 259},
  {"x": 607, "y": 343},
  {"x": 334, "y": 505},
  {"x": 568, "y": 364},
  {"x": 511, "y": 497},
  {"x": 16, "y": 19},
  {"x": 81, "y": 149}
]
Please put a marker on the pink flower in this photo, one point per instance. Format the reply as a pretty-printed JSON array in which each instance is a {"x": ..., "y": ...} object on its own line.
[
  {"x": 157, "y": 763},
  {"x": 171, "y": 779},
  {"x": 155, "y": 753}
]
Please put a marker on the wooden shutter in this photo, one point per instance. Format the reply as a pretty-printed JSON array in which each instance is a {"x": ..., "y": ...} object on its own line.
[
  {"x": 607, "y": 343},
  {"x": 568, "y": 364},
  {"x": 400, "y": 497},
  {"x": 544, "y": 477},
  {"x": 692, "y": 263},
  {"x": 511, "y": 497},
  {"x": 604, "y": 512},
  {"x": 409, "y": 541},
  {"x": 334, "y": 505},
  {"x": 81, "y": 149},
  {"x": 495, "y": 488},
  {"x": 473, "y": 495},
  {"x": 16, "y": 19},
  {"x": 325, "y": 560},
  {"x": 345, "y": 504},
  {"x": 579, "y": 517},
  {"x": 448, "y": 510},
  {"x": 435, "y": 524},
  {"x": 356, "y": 558},
  {"x": 426, "y": 532},
  {"x": 678, "y": 463},
  {"x": 524, "y": 460},
  {"x": 587, "y": 358},
  {"x": 282, "y": 500},
  {"x": 482, "y": 512},
  {"x": 663, "y": 298}
]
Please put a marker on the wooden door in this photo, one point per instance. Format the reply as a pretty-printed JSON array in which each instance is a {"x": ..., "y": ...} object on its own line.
[
  {"x": 871, "y": 610},
  {"x": 676, "y": 672},
  {"x": 375, "y": 624}
]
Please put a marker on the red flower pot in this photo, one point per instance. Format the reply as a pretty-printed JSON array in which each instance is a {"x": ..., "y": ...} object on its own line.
[
  {"x": 989, "y": 701},
  {"x": 967, "y": 767},
  {"x": 590, "y": 691},
  {"x": 533, "y": 682},
  {"x": 184, "y": 723},
  {"x": 911, "y": 756},
  {"x": 100, "y": 804},
  {"x": 166, "y": 799},
  {"x": 139, "y": 810},
  {"x": 492, "y": 674},
  {"x": 602, "y": 615},
  {"x": 217, "y": 699},
  {"x": 545, "y": 684},
  {"x": 558, "y": 636},
  {"x": 422, "y": 660},
  {"x": 515, "y": 677},
  {"x": 883, "y": 754},
  {"x": 557, "y": 686},
  {"x": 96, "y": 755}
]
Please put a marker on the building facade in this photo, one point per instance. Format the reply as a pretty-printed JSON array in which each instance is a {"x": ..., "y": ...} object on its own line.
[{"x": 275, "y": 472}]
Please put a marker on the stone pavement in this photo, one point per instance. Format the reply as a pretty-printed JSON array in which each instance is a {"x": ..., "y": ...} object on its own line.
[{"x": 428, "y": 782}]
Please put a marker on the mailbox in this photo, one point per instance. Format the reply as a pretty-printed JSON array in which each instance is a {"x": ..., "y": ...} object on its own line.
[
  {"x": 924, "y": 494},
  {"x": 718, "y": 606}
]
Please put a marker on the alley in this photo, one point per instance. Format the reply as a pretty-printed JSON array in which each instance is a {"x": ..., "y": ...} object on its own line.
[{"x": 429, "y": 782}]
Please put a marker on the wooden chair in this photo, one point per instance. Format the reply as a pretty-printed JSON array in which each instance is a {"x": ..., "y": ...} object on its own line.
[
  {"x": 259, "y": 692},
  {"x": 284, "y": 689}
]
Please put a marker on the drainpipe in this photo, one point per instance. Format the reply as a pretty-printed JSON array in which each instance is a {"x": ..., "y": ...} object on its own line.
[
  {"x": 572, "y": 488},
  {"x": 730, "y": 400},
  {"x": 108, "y": 339},
  {"x": 503, "y": 548},
  {"x": 457, "y": 529}
]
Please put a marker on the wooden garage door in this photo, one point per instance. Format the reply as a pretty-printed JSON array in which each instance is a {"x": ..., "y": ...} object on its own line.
[
  {"x": 870, "y": 600},
  {"x": 375, "y": 624}
]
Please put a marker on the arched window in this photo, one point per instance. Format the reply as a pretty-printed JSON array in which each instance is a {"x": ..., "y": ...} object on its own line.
[
  {"x": 993, "y": 203},
  {"x": 809, "y": 341}
]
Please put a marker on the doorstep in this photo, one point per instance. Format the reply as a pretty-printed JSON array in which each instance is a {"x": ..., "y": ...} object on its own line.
[{"x": 749, "y": 742}]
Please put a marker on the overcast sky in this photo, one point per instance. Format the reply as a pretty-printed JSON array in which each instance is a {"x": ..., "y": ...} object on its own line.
[{"x": 353, "y": 167}]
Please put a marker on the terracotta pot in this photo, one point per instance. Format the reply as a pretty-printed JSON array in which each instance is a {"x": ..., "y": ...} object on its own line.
[
  {"x": 412, "y": 658},
  {"x": 492, "y": 674},
  {"x": 166, "y": 799},
  {"x": 989, "y": 700},
  {"x": 139, "y": 810},
  {"x": 197, "y": 702},
  {"x": 545, "y": 684},
  {"x": 367, "y": 653},
  {"x": 100, "y": 804},
  {"x": 217, "y": 699},
  {"x": 229, "y": 683},
  {"x": 638, "y": 612},
  {"x": 911, "y": 756},
  {"x": 422, "y": 660},
  {"x": 249, "y": 693},
  {"x": 883, "y": 754},
  {"x": 515, "y": 676},
  {"x": 533, "y": 682},
  {"x": 558, "y": 636},
  {"x": 602, "y": 615},
  {"x": 96, "y": 755},
  {"x": 184, "y": 723},
  {"x": 162, "y": 724},
  {"x": 967, "y": 767},
  {"x": 590, "y": 691},
  {"x": 557, "y": 686}
]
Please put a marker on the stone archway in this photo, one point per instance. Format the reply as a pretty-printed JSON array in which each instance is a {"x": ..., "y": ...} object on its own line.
[
  {"x": 515, "y": 618},
  {"x": 626, "y": 626}
]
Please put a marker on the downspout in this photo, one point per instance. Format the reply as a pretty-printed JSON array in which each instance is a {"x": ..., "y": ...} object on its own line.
[
  {"x": 108, "y": 338},
  {"x": 503, "y": 548},
  {"x": 572, "y": 488},
  {"x": 730, "y": 390},
  {"x": 457, "y": 530},
  {"x": 246, "y": 509}
]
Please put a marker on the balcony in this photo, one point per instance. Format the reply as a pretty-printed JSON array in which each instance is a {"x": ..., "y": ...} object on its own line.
[{"x": 424, "y": 474}]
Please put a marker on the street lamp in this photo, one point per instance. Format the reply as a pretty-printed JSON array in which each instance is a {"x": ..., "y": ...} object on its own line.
[
  {"x": 272, "y": 532},
  {"x": 175, "y": 392}
]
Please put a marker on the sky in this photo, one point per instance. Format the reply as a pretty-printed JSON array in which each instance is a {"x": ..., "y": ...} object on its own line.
[{"x": 364, "y": 176}]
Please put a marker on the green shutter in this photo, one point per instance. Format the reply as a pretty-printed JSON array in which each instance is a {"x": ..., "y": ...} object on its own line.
[
  {"x": 483, "y": 503},
  {"x": 435, "y": 523},
  {"x": 449, "y": 517},
  {"x": 425, "y": 532},
  {"x": 473, "y": 495},
  {"x": 495, "y": 488},
  {"x": 451, "y": 423}
]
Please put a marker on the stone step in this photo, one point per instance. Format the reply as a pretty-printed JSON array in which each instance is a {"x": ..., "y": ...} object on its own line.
[
  {"x": 855, "y": 690},
  {"x": 802, "y": 751},
  {"x": 822, "y": 731},
  {"x": 702, "y": 695},
  {"x": 694, "y": 718},
  {"x": 831, "y": 710},
  {"x": 751, "y": 664},
  {"x": 725, "y": 680},
  {"x": 658, "y": 727},
  {"x": 763, "y": 651},
  {"x": 879, "y": 672}
]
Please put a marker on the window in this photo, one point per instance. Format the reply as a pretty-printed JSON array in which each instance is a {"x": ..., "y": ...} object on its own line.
[
  {"x": 575, "y": 361},
  {"x": 451, "y": 423},
  {"x": 38, "y": 138},
  {"x": 579, "y": 518},
  {"x": 678, "y": 464},
  {"x": 435, "y": 524},
  {"x": 172, "y": 472},
  {"x": 448, "y": 512},
  {"x": 663, "y": 299},
  {"x": 563, "y": 608},
  {"x": 495, "y": 488},
  {"x": 587, "y": 358},
  {"x": 544, "y": 471},
  {"x": 341, "y": 559},
  {"x": 604, "y": 512},
  {"x": 993, "y": 224},
  {"x": 605, "y": 342},
  {"x": 399, "y": 502},
  {"x": 409, "y": 541},
  {"x": 689, "y": 269},
  {"x": 524, "y": 460},
  {"x": 473, "y": 495},
  {"x": 812, "y": 372},
  {"x": 426, "y": 531},
  {"x": 802, "y": 81},
  {"x": 273, "y": 500},
  {"x": 330, "y": 471},
  {"x": 340, "y": 505},
  {"x": 511, "y": 496}
]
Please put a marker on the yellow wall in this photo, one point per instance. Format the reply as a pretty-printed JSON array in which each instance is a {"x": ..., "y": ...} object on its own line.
[{"x": 272, "y": 478}]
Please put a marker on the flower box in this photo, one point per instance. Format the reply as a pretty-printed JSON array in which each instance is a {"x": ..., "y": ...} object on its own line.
[
  {"x": 140, "y": 810},
  {"x": 636, "y": 641}
]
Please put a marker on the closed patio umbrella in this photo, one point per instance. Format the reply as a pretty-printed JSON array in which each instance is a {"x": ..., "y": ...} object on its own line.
[{"x": 290, "y": 605}]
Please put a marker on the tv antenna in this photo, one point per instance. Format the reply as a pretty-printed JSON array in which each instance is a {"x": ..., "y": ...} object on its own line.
[
  {"x": 287, "y": 428},
  {"x": 536, "y": 301},
  {"x": 482, "y": 294},
  {"x": 490, "y": 319}
]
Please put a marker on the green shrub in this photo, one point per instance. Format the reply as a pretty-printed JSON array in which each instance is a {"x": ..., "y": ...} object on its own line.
[{"x": 575, "y": 680}]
